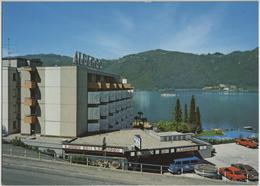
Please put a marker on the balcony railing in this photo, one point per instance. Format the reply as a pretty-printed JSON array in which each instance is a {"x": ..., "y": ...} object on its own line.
[
  {"x": 108, "y": 86},
  {"x": 120, "y": 86},
  {"x": 127, "y": 86},
  {"x": 105, "y": 86},
  {"x": 94, "y": 85},
  {"x": 29, "y": 84},
  {"x": 30, "y": 119},
  {"x": 113, "y": 86},
  {"x": 30, "y": 101},
  {"x": 98, "y": 86}
]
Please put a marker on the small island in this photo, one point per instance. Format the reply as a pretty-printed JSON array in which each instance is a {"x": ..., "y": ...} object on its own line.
[{"x": 223, "y": 87}]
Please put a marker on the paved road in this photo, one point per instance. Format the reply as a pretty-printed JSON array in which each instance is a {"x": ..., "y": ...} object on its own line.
[
  {"x": 233, "y": 153},
  {"x": 20, "y": 151},
  {"x": 26, "y": 171}
]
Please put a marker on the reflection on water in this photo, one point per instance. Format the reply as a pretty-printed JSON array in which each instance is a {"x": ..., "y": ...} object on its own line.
[{"x": 218, "y": 109}]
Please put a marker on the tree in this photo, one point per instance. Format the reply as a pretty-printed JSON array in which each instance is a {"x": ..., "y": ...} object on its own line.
[
  {"x": 140, "y": 115},
  {"x": 185, "y": 113},
  {"x": 192, "y": 110},
  {"x": 144, "y": 120},
  {"x": 136, "y": 118},
  {"x": 178, "y": 112},
  {"x": 198, "y": 122}
]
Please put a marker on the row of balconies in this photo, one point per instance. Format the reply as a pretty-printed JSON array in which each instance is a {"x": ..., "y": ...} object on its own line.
[
  {"x": 112, "y": 107},
  {"x": 109, "y": 124},
  {"x": 30, "y": 101},
  {"x": 107, "y": 96},
  {"x": 108, "y": 86},
  {"x": 95, "y": 113}
]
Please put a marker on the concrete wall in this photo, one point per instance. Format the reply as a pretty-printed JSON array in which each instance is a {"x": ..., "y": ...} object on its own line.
[
  {"x": 57, "y": 101},
  {"x": 68, "y": 101},
  {"x": 53, "y": 101},
  {"x": 60, "y": 101},
  {"x": 41, "y": 101},
  {"x": 82, "y": 101},
  {"x": 10, "y": 97},
  {"x": 64, "y": 104}
]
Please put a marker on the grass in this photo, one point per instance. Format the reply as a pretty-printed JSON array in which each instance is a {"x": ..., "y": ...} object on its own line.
[{"x": 213, "y": 132}]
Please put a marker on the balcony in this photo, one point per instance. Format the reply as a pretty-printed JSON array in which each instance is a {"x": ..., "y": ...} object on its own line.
[
  {"x": 94, "y": 97},
  {"x": 98, "y": 86},
  {"x": 29, "y": 84},
  {"x": 103, "y": 124},
  {"x": 113, "y": 86},
  {"x": 105, "y": 86},
  {"x": 93, "y": 113},
  {"x": 30, "y": 119},
  {"x": 29, "y": 69},
  {"x": 94, "y": 86},
  {"x": 104, "y": 96},
  {"x": 127, "y": 86},
  {"x": 30, "y": 102},
  {"x": 120, "y": 86}
]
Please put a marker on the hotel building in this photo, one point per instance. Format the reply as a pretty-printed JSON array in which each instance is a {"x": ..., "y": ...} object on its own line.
[{"x": 70, "y": 101}]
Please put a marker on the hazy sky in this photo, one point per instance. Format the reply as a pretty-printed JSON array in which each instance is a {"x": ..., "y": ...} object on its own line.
[{"x": 111, "y": 30}]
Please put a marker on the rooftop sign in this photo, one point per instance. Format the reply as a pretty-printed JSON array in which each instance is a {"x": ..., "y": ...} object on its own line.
[
  {"x": 138, "y": 141},
  {"x": 86, "y": 60}
]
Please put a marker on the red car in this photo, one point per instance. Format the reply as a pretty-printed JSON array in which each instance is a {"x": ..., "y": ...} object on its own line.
[
  {"x": 246, "y": 142},
  {"x": 232, "y": 173}
]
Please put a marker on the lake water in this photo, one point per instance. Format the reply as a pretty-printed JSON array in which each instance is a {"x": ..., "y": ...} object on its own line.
[{"x": 218, "y": 110}]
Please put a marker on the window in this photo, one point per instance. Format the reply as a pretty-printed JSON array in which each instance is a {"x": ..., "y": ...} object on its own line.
[
  {"x": 178, "y": 163},
  {"x": 203, "y": 147},
  {"x": 14, "y": 77},
  {"x": 14, "y": 124},
  {"x": 172, "y": 150},
  {"x": 186, "y": 162}
]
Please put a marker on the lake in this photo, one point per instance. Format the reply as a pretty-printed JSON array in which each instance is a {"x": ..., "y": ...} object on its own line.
[{"x": 218, "y": 110}]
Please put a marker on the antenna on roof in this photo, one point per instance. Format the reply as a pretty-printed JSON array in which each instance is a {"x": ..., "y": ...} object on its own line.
[{"x": 8, "y": 51}]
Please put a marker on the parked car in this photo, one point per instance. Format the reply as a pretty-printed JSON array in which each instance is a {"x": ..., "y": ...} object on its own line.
[
  {"x": 183, "y": 165},
  {"x": 246, "y": 142},
  {"x": 232, "y": 173},
  {"x": 249, "y": 171}
]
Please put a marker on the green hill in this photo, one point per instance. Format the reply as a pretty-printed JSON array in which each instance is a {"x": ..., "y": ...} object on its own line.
[
  {"x": 51, "y": 59},
  {"x": 158, "y": 69}
]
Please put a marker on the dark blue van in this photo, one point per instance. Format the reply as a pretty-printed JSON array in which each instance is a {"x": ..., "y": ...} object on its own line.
[{"x": 183, "y": 165}]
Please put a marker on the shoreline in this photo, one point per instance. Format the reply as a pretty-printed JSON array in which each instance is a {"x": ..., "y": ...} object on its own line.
[{"x": 199, "y": 89}]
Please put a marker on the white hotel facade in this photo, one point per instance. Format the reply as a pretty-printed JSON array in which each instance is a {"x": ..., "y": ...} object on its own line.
[{"x": 70, "y": 101}]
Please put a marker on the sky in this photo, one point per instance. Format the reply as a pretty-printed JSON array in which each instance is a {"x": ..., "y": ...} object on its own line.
[{"x": 112, "y": 30}]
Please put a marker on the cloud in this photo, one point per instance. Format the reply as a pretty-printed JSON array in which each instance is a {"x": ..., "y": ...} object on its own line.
[
  {"x": 124, "y": 21},
  {"x": 194, "y": 35},
  {"x": 113, "y": 45}
]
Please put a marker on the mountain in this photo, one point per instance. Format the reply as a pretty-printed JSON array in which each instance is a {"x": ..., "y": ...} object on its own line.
[
  {"x": 158, "y": 69},
  {"x": 51, "y": 59}
]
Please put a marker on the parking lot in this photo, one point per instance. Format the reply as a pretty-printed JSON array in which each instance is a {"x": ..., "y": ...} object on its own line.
[{"x": 227, "y": 154}]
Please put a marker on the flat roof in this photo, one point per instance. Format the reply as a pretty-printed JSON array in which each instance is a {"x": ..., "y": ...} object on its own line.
[
  {"x": 169, "y": 133},
  {"x": 99, "y": 72},
  {"x": 125, "y": 139}
]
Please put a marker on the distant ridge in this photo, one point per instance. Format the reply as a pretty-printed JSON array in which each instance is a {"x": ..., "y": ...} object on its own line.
[{"x": 158, "y": 69}]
